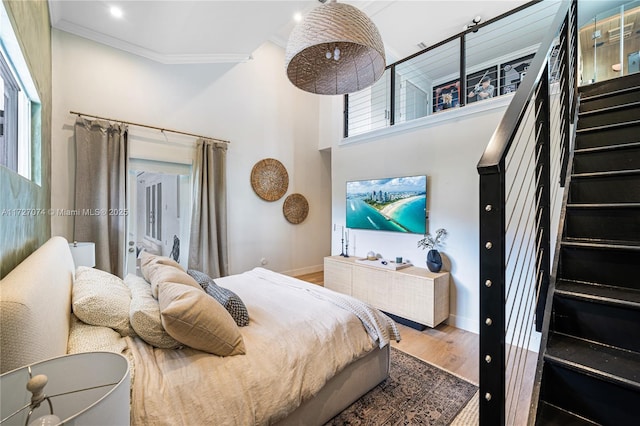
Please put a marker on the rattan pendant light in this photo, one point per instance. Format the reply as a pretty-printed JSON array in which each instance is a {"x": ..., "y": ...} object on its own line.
[{"x": 334, "y": 50}]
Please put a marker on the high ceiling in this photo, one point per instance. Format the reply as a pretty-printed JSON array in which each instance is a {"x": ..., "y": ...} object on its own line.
[{"x": 212, "y": 31}]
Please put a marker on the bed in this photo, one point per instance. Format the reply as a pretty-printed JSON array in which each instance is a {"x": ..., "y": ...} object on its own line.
[{"x": 306, "y": 354}]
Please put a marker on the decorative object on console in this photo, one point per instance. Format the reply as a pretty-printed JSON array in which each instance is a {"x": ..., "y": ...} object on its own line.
[
  {"x": 336, "y": 49},
  {"x": 83, "y": 389},
  {"x": 346, "y": 244},
  {"x": 269, "y": 179},
  {"x": 434, "y": 260},
  {"x": 371, "y": 256},
  {"x": 84, "y": 254},
  {"x": 384, "y": 264},
  {"x": 295, "y": 208}
]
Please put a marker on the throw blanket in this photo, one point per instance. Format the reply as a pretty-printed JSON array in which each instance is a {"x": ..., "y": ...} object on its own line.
[{"x": 380, "y": 327}]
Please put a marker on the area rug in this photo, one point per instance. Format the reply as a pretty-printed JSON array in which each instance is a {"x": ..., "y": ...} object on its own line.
[{"x": 415, "y": 393}]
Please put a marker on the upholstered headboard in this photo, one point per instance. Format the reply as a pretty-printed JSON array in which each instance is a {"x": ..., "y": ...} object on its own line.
[{"x": 35, "y": 306}]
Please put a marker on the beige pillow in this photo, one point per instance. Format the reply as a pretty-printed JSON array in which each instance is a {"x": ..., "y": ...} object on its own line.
[
  {"x": 144, "y": 314},
  {"x": 193, "y": 318},
  {"x": 147, "y": 259},
  {"x": 100, "y": 298},
  {"x": 158, "y": 269}
]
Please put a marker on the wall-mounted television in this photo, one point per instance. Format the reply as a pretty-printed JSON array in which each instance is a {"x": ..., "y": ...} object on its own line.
[{"x": 394, "y": 204}]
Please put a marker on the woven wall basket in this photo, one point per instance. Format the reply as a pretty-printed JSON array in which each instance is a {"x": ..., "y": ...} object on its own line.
[
  {"x": 269, "y": 179},
  {"x": 295, "y": 208}
]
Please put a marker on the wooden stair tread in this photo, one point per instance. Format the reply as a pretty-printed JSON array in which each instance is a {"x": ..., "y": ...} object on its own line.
[
  {"x": 612, "y": 173},
  {"x": 550, "y": 415},
  {"x": 599, "y": 293},
  {"x": 607, "y": 148},
  {"x": 601, "y": 244},
  {"x": 608, "y": 126},
  {"x": 609, "y": 94},
  {"x": 596, "y": 206},
  {"x": 609, "y": 109},
  {"x": 605, "y": 362}
]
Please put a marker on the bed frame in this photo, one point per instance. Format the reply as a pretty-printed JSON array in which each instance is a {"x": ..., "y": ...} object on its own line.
[{"x": 35, "y": 312}]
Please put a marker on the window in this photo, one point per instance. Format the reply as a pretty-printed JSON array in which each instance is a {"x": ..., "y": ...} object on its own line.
[
  {"x": 19, "y": 106},
  {"x": 8, "y": 117}
]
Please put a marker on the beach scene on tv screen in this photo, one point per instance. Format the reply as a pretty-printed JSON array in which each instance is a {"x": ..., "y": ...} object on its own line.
[{"x": 393, "y": 204}]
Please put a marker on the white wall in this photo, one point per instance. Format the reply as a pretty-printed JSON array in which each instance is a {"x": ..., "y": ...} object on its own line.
[
  {"x": 250, "y": 104},
  {"x": 446, "y": 149}
]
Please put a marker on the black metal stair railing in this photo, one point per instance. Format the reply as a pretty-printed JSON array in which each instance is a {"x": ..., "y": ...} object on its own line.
[{"x": 522, "y": 173}]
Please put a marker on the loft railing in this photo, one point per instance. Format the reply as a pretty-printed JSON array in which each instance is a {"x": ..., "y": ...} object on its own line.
[
  {"x": 521, "y": 176},
  {"x": 442, "y": 77}
]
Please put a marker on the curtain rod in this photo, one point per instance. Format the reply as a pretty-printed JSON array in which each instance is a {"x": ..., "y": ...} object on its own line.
[{"x": 162, "y": 129}]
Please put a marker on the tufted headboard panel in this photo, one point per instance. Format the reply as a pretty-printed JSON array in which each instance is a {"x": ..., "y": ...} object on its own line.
[{"x": 35, "y": 306}]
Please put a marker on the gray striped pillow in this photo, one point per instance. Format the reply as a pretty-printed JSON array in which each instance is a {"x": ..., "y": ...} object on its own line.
[{"x": 227, "y": 298}]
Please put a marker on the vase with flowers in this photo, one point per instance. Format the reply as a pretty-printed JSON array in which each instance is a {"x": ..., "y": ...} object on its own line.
[{"x": 432, "y": 242}]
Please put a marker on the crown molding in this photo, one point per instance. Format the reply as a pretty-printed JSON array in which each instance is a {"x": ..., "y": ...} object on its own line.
[{"x": 167, "y": 59}]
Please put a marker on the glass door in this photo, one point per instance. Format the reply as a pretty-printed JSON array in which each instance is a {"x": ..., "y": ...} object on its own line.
[{"x": 159, "y": 211}]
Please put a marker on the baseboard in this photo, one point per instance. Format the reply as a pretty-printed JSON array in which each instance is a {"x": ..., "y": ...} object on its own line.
[
  {"x": 463, "y": 323},
  {"x": 304, "y": 271}
]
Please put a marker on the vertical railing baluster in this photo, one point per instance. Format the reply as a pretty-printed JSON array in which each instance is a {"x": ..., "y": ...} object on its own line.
[
  {"x": 565, "y": 49},
  {"x": 543, "y": 194},
  {"x": 573, "y": 11},
  {"x": 492, "y": 296},
  {"x": 392, "y": 101},
  {"x": 462, "y": 89}
]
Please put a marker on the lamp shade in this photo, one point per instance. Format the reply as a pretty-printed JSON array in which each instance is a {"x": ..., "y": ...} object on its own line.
[
  {"x": 335, "y": 49},
  {"x": 90, "y": 388},
  {"x": 84, "y": 254}
]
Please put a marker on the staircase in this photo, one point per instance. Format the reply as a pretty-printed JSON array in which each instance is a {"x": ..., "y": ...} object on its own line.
[{"x": 591, "y": 363}]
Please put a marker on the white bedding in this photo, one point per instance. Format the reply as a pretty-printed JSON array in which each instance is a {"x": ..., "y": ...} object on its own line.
[
  {"x": 281, "y": 369},
  {"x": 300, "y": 338}
]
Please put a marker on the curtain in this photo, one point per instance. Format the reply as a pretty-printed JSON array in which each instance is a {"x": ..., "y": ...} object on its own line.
[
  {"x": 100, "y": 195},
  {"x": 208, "y": 236}
]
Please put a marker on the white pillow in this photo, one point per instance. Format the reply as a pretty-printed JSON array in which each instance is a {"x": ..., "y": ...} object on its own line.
[
  {"x": 88, "y": 338},
  {"x": 100, "y": 298},
  {"x": 144, "y": 314}
]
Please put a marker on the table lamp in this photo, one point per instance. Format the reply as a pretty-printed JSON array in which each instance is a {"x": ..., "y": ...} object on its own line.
[
  {"x": 84, "y": 254},
  {"x": 90, "y": 388}
]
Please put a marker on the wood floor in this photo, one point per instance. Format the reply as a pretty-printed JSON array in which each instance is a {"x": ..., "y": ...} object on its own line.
[{"x": 456, "y": 351}]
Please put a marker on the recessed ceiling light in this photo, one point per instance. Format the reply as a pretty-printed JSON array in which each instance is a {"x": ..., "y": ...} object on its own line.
[
  {"x": 116, "y": 12},
  {"x": 297, "y": 17}
]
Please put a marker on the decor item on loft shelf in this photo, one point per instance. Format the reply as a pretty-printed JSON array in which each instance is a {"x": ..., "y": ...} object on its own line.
[
  {"x": 336, "y": 49},
  {"x": 269, "y": 179},
  {"x": 434, "y": 260}
]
